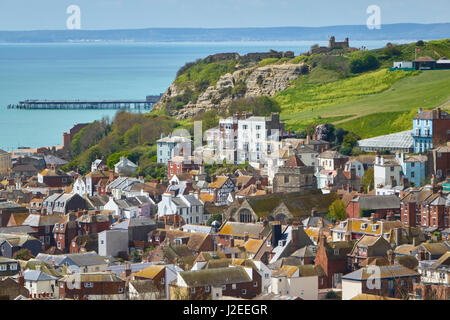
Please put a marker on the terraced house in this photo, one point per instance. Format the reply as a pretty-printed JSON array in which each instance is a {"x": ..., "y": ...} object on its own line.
[
  {"x": 237, "y": 281},
  {"x": 430, "y": 128}
]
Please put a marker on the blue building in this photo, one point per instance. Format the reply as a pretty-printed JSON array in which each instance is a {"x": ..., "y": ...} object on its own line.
[
  {"x": 413, "y": 167},
  {"x": 172, "y": 146},
  {"x": 430, "y": 128},
  {"x": 423, "y": 131}
]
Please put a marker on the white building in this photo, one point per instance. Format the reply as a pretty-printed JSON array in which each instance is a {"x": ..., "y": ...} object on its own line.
[
  {"x": 358, "y": 166},
  {"x": 125, "y": 167},
  {"x": 40, "y": 284},
  {"x": 387, "y": 172},
  {"x": 172, "y": 146},
  {"x": 301, "y": 281},
  {"x": 80, "y": 187},
  {"x": 189, "y": 207},
  {"x": 96, "y": 165},
  {"x": 111, "y": 242},
  {"x": 258, "y": 137}
]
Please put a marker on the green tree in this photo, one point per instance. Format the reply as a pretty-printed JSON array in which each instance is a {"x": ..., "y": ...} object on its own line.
[
  {"x": 213, "y": 218},
  {"x": 368, "y": 179},
  {"x": 350, "y": 140},
  {"x": 337, "y": 210},
  {"x": 23, "y": 254}
]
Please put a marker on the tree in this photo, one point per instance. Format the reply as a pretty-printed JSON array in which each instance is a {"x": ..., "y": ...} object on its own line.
[
  {"x": 23, "y": 254},
  {"x": 213, "y": 218},
  {"x": 337, "y": 210},
  {"x": 135, "y": 257},
  {"x": 368, "y": 180},
  {"x": 350, "y": 140}
]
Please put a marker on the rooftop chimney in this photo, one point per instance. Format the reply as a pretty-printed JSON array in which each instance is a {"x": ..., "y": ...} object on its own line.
[{"x": 276, "y": 233}]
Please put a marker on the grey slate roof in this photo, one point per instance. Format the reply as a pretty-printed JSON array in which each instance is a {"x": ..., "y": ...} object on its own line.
[
  {"x": 34, "y": 275},
  {"x": 378, "y": 202}
]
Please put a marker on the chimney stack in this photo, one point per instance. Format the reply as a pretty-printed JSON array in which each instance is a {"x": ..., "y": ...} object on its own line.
[
  {"x": 127, "y": 270},
  {"x": 276, "y": 233},
  {"x": 21, "y": 279}
]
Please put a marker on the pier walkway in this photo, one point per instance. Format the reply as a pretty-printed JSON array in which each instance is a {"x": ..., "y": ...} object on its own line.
[{"x": 87, "y": 104}]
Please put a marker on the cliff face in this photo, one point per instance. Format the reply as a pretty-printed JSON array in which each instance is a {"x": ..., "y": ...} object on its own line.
[{"x": 243, "y": 83}]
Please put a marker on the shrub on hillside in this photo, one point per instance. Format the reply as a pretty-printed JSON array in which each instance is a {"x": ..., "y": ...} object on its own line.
[{"x": 365, "y": 63}]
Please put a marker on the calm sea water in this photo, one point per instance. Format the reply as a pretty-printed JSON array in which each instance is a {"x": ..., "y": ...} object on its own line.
[{"x": 97, "y": 71}]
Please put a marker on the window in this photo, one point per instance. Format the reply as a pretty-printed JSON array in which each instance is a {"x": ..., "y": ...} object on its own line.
[
  {"x": 121, "y": 290},
  {"x": 244, "y": 291},
  {"x": 233, "y": 286},
  {"x": 336, "y": 252},
  {"x": 3, "y": 267},
  {"x": 13, "y": 266},
  {"x": 255, "y": 284},
  {"x": 224, "y": 288},
  {"x": 207, "y": 289},
  {"x": 391, "y": 284},
  {"x": 88, "y": 285},
  {"x": 61, "y": 285},
  {"x": 192, "y": 290}
]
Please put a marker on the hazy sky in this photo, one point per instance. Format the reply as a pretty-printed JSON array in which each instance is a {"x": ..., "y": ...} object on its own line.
[{"x": 128, "y": 14}]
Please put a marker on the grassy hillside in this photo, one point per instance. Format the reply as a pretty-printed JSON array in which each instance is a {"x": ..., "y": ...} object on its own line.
[{"x": 372, "y": 103}]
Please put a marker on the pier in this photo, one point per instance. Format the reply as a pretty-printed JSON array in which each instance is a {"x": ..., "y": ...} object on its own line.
[{"x": 86, "y": 104}]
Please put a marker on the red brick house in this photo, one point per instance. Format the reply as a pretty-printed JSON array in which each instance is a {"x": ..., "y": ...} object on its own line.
[
  {"x": 332, "y": 258},
  {"x": 92, "y": 286},
  {"x": 381, "y": 206},
  {"x": 84, "y": 243},
  {"x": 65, "y": 230},
  {"x": 439, "y": 161},
  {"x": 94, "y": 223},
  {"x": 425, "y": 208},
  {"x": 54, "y": 178},
  {"x": 179, "y": 165},
  {"x": 43, "y": 228},
  {"x": 367, "y": 247}
]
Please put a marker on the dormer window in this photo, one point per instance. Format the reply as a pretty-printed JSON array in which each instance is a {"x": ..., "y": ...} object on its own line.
[
  {"x": 375, "y": 227},
  {"x": 364, "y": 226}
]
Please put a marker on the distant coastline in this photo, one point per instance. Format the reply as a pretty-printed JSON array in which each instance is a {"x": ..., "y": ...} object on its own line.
[{"x": 406, "y": 31}]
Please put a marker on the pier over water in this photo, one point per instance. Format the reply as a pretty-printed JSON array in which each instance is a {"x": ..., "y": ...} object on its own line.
[{"x": 86, "y": 104}]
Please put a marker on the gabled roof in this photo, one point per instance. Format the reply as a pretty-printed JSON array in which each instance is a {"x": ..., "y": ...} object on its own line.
[
  {"x": 240, "y": 229},
  {"x": 150, "y": 272},
  {"x": 219, "y": 182},
  {"x": 378, "y": 202},
  {"x": 215, "y": 277},
  {"x": 34, "y": 275},
  {"x": 385, "y": 272},
  {"x": 294, "y": 162}
]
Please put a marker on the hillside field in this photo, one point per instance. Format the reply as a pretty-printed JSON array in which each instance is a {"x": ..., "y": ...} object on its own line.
[{"x": 372, "y": 104}]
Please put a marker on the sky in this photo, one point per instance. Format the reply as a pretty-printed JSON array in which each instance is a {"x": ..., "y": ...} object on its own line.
[{"x": 133, "y": 14}]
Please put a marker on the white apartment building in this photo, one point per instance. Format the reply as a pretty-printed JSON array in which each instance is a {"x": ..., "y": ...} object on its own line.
[{"x": 258, "y": 138}]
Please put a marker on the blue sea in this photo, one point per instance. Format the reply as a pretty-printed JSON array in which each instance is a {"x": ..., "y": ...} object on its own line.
[{"x": 98, "y": 71}]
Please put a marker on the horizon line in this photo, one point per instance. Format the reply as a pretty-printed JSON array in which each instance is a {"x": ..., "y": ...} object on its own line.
[{"x": 227, "y": 28}]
